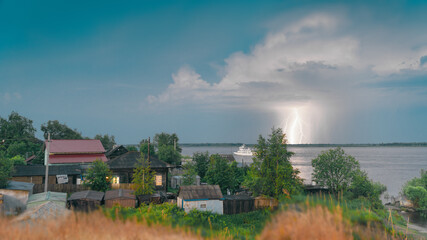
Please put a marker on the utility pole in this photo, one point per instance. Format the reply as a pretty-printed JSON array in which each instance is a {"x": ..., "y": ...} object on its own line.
[
  {"x": 148, "y": 149},
  {"x": 46, "y": 162}
]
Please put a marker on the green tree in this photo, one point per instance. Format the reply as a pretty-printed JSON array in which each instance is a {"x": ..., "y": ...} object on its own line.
[
  {"x": 190, "y": 174},
  {"x": 6, "y": 168},
  {"x": 168, "y": 149},
  {"x": 98, "y": 177},
  {"x": 219, "y": 173},
  {"x": 335, "y": 169},
  {"x": 416, "y": 191},
  {"x": 132, "y": 148},
  {"x": 201, "y": 161},
  {"x": 362, "y": 187},
  {"x": 18, "y": 160},
  {"x": 143, "y": 147},
  {"x": 59, "y": 131},
  {"x": 271, "y": 173},
  {"x": 18, "y": 136},
  {"x": 107, "y": 141},
  {"x": 143, "y": 177}
]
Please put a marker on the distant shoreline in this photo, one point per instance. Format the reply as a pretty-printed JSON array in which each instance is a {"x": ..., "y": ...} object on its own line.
[{"x": 420, "y": 144}]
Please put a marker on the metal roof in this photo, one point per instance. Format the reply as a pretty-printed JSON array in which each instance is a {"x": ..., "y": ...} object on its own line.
[
  {"x": 200, "y": 192},
  {"x": 76, "y": 158},
  {"x": 119, "y": 193},
  {"x": 130, "y": 160},
  {"x": 88, "y": 194},
  {"x": 15, "y": 185},
  {"x": 59, "y": 146}
]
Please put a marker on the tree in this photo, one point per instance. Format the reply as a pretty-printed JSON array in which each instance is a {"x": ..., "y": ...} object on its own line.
[
  {"x": 98, "y": 177},
  {"x": 18, "y": 136},
  {"x": 143, "y": 177},
  {"x": 201, "y": 161},
  {"x": 335, "y": 169},
  {"x": 168, "y": 149},
  {"x": 362, "y": 187},
  {"x": 59, "y": 131},
  {"x": 143, "y": 147},
  {"x": 271, "y": 174},
  {"x": 107, "y": 141},
  {"x": 190, "y": 174},
  {"x": 219, "y": 173},
  {"x": 6, "y": 168},
  {"x": 416, "y": 191}
]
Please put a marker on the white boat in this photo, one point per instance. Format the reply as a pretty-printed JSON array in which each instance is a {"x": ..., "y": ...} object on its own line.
[
  {"x": 243, "y": 156},
  {"x": 243, "y": 151}
]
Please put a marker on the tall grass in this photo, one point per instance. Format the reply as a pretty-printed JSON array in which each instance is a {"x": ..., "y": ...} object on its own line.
[{"x": 89, "y": 226}]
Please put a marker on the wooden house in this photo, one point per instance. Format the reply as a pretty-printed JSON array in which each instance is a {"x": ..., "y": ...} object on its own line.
[
  {"x": 36, "y": 173},
  {"x": 202, "y": 197},
  {"x": 123, "y": 167},
  {"x": 122, "y": 197},
  {"x": 85, "y": 200}
]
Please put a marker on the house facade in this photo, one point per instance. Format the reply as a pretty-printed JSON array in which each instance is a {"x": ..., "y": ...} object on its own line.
[
  {"x": 202, "y": 197},
  {"x": 80, "y": 151}
]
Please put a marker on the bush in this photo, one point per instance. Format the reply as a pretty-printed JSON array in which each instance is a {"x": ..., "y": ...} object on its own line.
[
  {"x": 416, "y": 191},
  {"x": 363, "y": 187}
]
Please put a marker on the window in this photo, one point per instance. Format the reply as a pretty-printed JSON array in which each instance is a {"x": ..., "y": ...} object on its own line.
[
  {"x": 159, "y": 181},
  {"x": 203, "y": 205},
  {"x": 115, "y": 180}
]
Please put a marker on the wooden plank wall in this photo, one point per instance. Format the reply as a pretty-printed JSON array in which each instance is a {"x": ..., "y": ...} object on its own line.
[
  {"x": 237, "y": 206},
  {"x": 263, "y": 202},
  {"x": 67, "y": 188}
]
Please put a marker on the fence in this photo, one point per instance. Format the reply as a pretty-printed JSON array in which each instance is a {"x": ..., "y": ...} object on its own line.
[
  {"x": 67, "y": 188},
  {"x": 130, "y": 186},
  {"x": 263, "y": 202},
  {"x": 237, "y": 204}
]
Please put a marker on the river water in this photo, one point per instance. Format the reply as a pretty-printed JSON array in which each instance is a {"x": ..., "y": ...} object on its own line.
[{"x": 391, "y": 166}]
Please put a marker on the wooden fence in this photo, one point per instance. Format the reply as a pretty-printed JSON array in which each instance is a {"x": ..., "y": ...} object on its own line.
[
  {"x": 263, "y": 202},
  {"x": 130, "y": 186},
  {"x": 238, "y": 205},
  {"x": 67, "y": 188}
]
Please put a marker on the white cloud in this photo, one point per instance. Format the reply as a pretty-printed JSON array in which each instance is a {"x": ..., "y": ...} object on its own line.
[{"x": 313, "y": 65}]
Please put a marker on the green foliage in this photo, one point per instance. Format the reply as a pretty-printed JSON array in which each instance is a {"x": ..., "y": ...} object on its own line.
[
  {"x": 18, "y": 160},
  {"x": 143, "y": 177},
  {"x": 6, "y": 168},
  {"x": 132, "y": 148},
  {"x": 238, "y": 226},
  {"x": 271, "y": 173},
  {"x": 362, "y": 186},
  {"x": 59, "y": 131},
  {"x": 98, "y": 176},
  {"x": 334, "y": 169},
  {"x": 202, "y": 163},
  {"x": 190, "y": 173},
  {"x": 226, "y": 175},
  {"x": 167, "y": 139},
  {"x": 19, "y": 138},
  {"x": 143, "y": 147},
  {"x": 168, "y": 154},
  {"x": 107, "y": 141},
  {"x": 416, "y": 191}
]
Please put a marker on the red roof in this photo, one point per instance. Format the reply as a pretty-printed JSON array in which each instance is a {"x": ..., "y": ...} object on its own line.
[
  {"x": 76, "y": 158},
  {"x": 76, "y": 146}
]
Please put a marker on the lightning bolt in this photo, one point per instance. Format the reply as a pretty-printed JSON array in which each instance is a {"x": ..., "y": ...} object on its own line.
[{"x": 295, "y": 129}]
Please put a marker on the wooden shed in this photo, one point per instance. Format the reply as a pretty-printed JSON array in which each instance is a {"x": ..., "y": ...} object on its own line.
[
  {"x": 202, "y": 197},
  {"x": 235, "y": 204},
  {"x": 122, "y": 197},
  {"x": 85, "y": 200}
]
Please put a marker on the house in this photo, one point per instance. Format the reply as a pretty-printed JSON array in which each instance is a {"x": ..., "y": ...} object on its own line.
[
  {"x": 123, "y": 167},
  {"x": 116, "y": 151},
  {"x": 202, "y": 197},
  {"x": 81, "y": 151},
  {"x": 57, "y": 174},
  {"x": 122, "y": 197},
  {"x": 85, "y": 200}
]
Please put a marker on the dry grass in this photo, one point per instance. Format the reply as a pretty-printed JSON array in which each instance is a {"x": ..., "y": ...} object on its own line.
[
  {"x": 89, "y": 226},
  {"x": 317, "y": 223}
]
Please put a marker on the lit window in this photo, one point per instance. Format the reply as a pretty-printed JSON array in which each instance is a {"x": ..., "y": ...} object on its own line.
[
  {"x": 115, "y": 180},
  {"x": 159, "y": 181}
]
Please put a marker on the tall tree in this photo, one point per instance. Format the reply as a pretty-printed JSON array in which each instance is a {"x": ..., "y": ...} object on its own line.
[
  {"x": 98, "y": 177},
  {"x": 18, "y": 136},
  {"x": 168, "y": 140},
  {"x": 190, "y": 174},
  {"x": 143, "y": 147},
  {"x": 219, "y": 173},
  {"x": 201, "y": 161},
  {"x": 59, "y": 131},
  {"x": 271, "y": 173},
  {"x": 107, "y": 141},
  {"x": 335, "y": 169},
  {"x": 143, "y": 177}
]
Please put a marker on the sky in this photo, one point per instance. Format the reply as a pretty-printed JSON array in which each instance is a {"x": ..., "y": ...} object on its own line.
[{"x": 219, "y": 71}]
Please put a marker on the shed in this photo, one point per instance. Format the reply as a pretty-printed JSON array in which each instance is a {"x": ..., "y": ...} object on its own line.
[
  {"x": 18, "y": 190},
  {"x": 202, "y": 197},
  {"x": 38, "y": 199},
  {"x": 85, "y": 200},
  {"x": 235, "y": 204},
  {"x": 122, "y": 197}
]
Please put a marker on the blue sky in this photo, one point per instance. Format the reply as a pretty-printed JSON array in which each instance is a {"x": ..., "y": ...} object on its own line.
[{"x": 215, "y": 71}]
